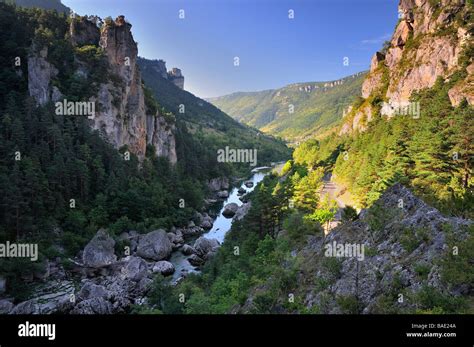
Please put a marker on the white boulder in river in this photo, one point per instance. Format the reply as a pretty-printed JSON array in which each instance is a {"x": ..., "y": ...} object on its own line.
[
  {"x": 230, "y": 210},
  {"x": 164, "y": 267},
  {"x": 204, "y": 246},
  {"x": 154, "y": 245}
]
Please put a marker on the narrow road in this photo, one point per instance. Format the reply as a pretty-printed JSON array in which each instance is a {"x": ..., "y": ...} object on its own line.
[{"x": 330, "y": 188}]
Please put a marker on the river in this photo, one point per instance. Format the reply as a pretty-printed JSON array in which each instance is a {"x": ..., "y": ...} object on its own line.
[{"x": 220, "y": 227}]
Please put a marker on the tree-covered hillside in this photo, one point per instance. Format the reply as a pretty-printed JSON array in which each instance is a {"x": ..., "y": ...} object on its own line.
[
  {"x": 211, "y": 126},
  {"x": 294, "y": 112},
  {"x": 44, "y": 4}
]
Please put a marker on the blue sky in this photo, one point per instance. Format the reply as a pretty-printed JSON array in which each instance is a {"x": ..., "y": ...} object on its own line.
[{"x": 273, "y": 50}]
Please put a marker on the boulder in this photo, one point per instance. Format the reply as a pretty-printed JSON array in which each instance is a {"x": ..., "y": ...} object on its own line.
[
  {"x": 99, "y": 251},
  {"x": 154, "y": 245},
  {"x": 230, "y": 210},
  {"x": 203, "y": 246},
  {"x": 241, "y": 191},
  {"x": 164, "y": 267},
  {"x": 191, "y": 232},
  {"x": 5, "y": 306},
  {"x": 195, "y": 260},
  {"x": 208, "y": 202},
  {"x": 175, "y": 239},
  {"x": 188, "y": 250},
  {"x": 135, "y": 269},
  {"x": 91, "y": 290},
  {"x": 223, "y": 194},
  {"x": 249, "y": 184},
  {"x": 206, "y": 222},
  {"x": 97, "y": 305}
]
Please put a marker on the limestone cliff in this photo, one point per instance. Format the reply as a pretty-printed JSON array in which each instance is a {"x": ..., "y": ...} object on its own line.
[
  {"x": 40, "y": 74},
  {"x": 121, "y": 113},
  {"x": 126, "y": 122},
  {"x": 432, "y": 39}
]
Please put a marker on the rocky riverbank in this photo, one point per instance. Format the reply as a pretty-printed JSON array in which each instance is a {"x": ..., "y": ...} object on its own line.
[{"x": 111, "y": 274}]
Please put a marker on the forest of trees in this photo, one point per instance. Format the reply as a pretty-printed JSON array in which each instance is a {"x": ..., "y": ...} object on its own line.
[{"x": 432, "y": 154}]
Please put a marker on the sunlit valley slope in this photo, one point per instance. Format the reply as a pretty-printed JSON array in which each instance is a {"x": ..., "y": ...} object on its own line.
[{"x": 297, "y": 111}]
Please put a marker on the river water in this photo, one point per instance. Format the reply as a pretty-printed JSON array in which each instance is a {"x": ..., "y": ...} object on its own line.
[{"x": 220, "y": 227}]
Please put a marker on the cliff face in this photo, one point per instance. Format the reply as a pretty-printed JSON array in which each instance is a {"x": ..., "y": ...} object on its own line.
[
  {"x": 431, "y": 40},
  {"x": 126, "y": 122},
  {"x": 40, "y": 74},
  {"x": 121, "y": 114}
]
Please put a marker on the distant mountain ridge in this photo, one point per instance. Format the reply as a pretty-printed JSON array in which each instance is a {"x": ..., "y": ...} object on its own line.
[{"x": 296, "y": 111}]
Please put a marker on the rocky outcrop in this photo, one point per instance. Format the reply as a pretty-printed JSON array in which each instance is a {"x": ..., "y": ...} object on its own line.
[
  {"x": 412, "y": 234},
  {"x": 374, "y": 77},
  {"x": 358, "y": 121},
  {"x": 175, "y": 76},
  {"x": 55, "y": 297},
  {"x": 155, "y": 245},
  {"x": 426, "y": 69},
  {"x": 40, "y": 75},
  {"x": 426, "y": 44},
  {"x": 123, "y": 113},
  {"x": 432, "y": 54},
  {"x": 395, "y": 247},
  {"x": 84, "y": 31},
  {"x": 161, "y": 135},
  {"x": 464, "y": 90}
]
